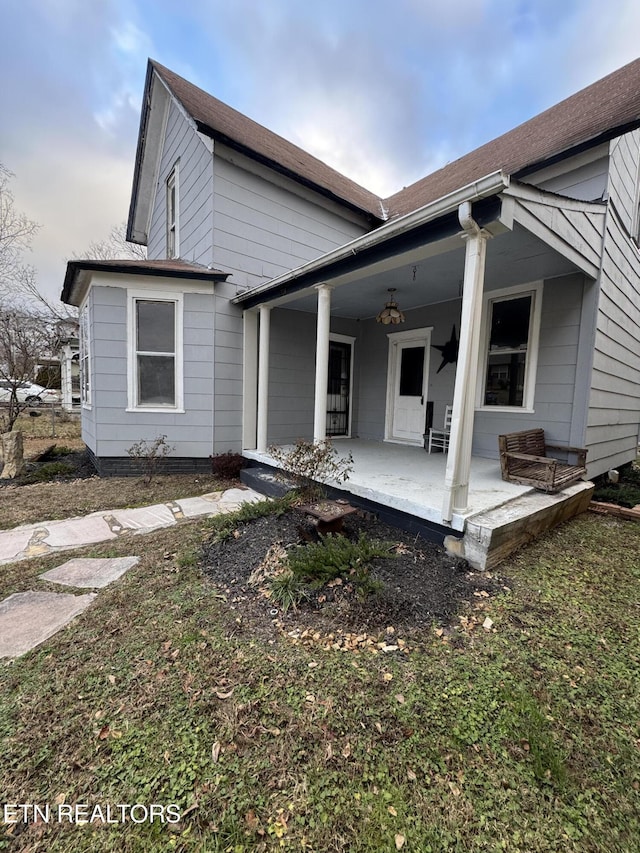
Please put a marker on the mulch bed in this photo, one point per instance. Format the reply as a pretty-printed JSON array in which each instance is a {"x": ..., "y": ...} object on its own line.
[
  {"x": 77, "y": 466},
  {"x": 422, "y": 584}
]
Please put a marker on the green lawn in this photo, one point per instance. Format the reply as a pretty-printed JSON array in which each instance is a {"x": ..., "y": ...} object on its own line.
[{"x": 523, "y": 737}]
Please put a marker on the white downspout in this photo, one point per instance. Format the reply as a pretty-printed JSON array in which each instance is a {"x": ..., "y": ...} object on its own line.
[
  {"x": 263, "y": 378},
  {"x": 322, "y": 362},
  {"x": 459, "y": 458}
]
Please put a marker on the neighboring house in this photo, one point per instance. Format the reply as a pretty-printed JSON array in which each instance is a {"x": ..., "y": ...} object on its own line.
[
  {"x": 254, "y": 321},
  {"x": 68, "y": 342}
]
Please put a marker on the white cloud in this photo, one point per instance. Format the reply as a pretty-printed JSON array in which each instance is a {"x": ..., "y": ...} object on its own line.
[
  {"x": 85, "y": 193},
  {"x": 383, "y": 94}
]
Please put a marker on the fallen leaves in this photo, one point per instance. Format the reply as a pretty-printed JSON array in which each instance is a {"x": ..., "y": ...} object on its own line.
[{"x": 345, "y": 641}]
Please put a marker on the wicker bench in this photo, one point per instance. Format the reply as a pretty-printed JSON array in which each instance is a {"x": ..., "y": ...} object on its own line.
[{"x": 524, "y": 458}]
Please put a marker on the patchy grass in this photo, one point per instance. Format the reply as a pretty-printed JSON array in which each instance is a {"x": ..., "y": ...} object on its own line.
[
  {"x": 42, "y": 499},
  {"x": 523, "y": 737},
  {"x": 44, "y": 427}
]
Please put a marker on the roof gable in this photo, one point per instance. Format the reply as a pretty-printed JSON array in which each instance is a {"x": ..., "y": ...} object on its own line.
[{"x": 221, "y": 122}]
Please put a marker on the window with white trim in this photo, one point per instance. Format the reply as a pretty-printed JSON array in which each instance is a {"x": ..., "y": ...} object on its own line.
[
  {"x": 155, "y": 353},
  {"x": 173, "y": 226},
  {"x": 511, "y": 327},
  {"x": 85, "y": 357}
]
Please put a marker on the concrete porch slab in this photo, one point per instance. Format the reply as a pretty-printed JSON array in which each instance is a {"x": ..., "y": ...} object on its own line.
[
  {"x": 29, "y": 618},
  {"x": 409, "y": 480},
  {"x": 90, "y": 573}
]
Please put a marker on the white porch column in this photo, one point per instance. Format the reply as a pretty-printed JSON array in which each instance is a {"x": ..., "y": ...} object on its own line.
[
  {"x": 464, "y": 394},
  {"x": 249, "y": 379},
  {"x": 322, "y": 362},
  {"x": 263, "y": 378}
]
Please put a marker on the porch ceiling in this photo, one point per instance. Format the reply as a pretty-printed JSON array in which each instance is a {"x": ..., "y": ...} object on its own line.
[{"x": 424, "y": 277}]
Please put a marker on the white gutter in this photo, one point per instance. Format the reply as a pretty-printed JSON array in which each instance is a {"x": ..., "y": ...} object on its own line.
[{"x": 491, "y": 184}]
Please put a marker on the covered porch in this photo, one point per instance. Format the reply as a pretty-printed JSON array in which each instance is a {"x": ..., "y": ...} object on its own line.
[
  {"x": 411, "y": 481},
  {"x": 407, "y": 486},
  {"x": 497, "y": 278}
]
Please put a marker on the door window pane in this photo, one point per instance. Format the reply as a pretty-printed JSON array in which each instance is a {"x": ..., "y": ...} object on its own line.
[{"x": 411, "y": 371}]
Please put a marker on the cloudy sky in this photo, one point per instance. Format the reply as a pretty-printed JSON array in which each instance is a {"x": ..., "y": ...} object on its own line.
[{"x": 383, "y": 92}]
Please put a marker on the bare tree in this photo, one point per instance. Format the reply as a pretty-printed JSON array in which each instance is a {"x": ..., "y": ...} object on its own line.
[
  {"x": 18, "y": 283},
  {"x": 26, "y": 337},
  {"x": 114, "y": 247},
  {"x": 16, "y": 234}
]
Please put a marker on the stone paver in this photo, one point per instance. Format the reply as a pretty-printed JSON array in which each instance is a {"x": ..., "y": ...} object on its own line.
[
  {"x": 88, "y": 573},
  {"x": 29, "y": 618},
  {"x": 144, "y": 517},
  {"x": 206, "y": 504},
  {"x": 233, "y": 499},
  {"x": 13, "y": 542},
  {"x": 73, "y": 532}
]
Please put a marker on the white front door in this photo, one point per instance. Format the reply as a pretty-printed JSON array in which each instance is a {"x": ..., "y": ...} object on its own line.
[{"x": 407, "y": 391}]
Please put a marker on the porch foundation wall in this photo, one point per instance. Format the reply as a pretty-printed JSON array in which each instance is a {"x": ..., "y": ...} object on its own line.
[{"x": 490, "y": 537}]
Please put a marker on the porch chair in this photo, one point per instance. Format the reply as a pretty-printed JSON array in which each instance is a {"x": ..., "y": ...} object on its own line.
[
  {"x": 527, "y": 458},
  {"x": 439, "y": 438}
]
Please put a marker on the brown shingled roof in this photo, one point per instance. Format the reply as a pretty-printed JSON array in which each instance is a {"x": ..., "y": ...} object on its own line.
[
  {"x": 216, "y": 119},
  {"x": 173, "y": 267},
  {"x": 600, "y": 112}
]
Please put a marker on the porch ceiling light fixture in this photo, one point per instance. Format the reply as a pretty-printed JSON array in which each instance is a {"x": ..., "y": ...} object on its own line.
[{"x": 390, "y": 314}]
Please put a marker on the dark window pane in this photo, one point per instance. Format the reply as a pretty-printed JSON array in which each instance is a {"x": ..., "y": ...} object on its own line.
[
  {"x": 156, "y": 380},
  {"x": 510, "y": 323},
  {"x": 411, "y": 371},
  {"x": 338, "y": 388},
  {"x": 505, "y": 379},
  {"x": 339, "y": 366},
  {"x": 155, "y": 324}
]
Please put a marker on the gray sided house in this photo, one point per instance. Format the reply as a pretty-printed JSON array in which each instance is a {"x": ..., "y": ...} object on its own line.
[{"x": 516, "y": 269}]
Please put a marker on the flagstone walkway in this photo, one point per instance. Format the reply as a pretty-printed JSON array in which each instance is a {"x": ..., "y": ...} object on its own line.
[{"x": 29, "y": 618}]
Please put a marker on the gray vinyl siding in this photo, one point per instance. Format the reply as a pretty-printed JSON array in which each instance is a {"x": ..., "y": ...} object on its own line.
[
  {"x": 558, "y": 404},
  {"x": 263, "y": 229},
  {"x": 227, "y": 356},
  {"x": 184, "y": 146},
  {"x": 614, "y": 405},
  {"x": 587, "y": 182},
  {"x": 292, "y": 373},
  {"x": 191, "y": 433},
  {"x": 291, "y": 376},
  {"x": 557, "y": 409}
]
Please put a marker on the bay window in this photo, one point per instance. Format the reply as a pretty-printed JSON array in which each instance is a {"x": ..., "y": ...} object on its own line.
[{"x": 155, "y": 352}]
